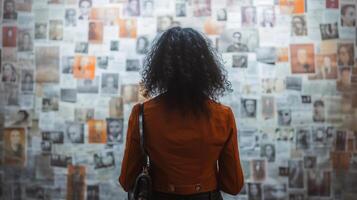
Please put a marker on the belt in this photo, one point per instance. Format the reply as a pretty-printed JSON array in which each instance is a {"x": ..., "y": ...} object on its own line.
[{"x": 212, "y": 195}]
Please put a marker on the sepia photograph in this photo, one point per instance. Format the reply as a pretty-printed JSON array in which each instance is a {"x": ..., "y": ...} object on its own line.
[
  {"x": 25, "y": 40},
  {"x": 345, "y": 54},
  {"x": 258, "y": 169},
  {"x": 15, "y": 148},
  {"x": 95, "y": 34},
  {"x": 104, "y": 160},
  {"x": 201, "y": 8},
  {"x": 84, "y": 67},
  {"x": 76, "y": 182},
  {"x": 9, "y": 10},
  {"x": 27, "y": 81},
  {"x": 56, "y": 30},
  {"x": 302, "y": 58},
  {"x": 97, "y": 132},
  {"x": 249, "y": 16},
  {"x": 9, "y": 35},
  {"x": 47, "y": 64}
]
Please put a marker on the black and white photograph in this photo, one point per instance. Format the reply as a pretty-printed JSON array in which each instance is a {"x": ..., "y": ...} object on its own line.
[
  {"x": 56, "y": 137},
  {"x": 164, "y": 22},
  {"x": 221, "y": 14},
  {"x": 296, "y": 174},
  {"x": 81, "y": 47},
  {"x": 249, "y": 16},
  {"x": 329, "y": 31},
  {"x": 83, "y": 115},
  {"x": 267, "y": 16},
  {"x": 27, "y": 81},
  {"x": 69, "y": 95},
  {"x": 258, "y": 169},
  {"x": 348, "y": 15},
  {"x": 132, "y": 65},
  {"x": 293, "y": 83},
  {"x": 255, "y": 191},
  {"x": 275, "y": 191},
  {"x": 147, "y": 8},
  {"x": 109, "y": 83},
  {"x": 180, "y": 9},
  {"x": 132, "y": 8},
  {"x": 18, "y": 118},
  {"x": 67, "y": 64},
  {"x": 142, "y": 45},
  {"x": 40, "y": 31},
  {"x": 84, "y": 9},
  {"x": 341, "y": 140},
  {"x": 10, "y": 73},
  {"x": 310, "y": 162},
  {"x": 240, "y": 61},
  {"x": 103, "y": 160},
  {"x": 74, "y": 132},
  {"x": 319, "y": 137},
  {"x": 25, "y": 40},
  {"x": 34, "y": 191},
  {"x": 238, "y": 40},
  {"x": 115, "y": 128},
  {"x": 266, "y": 55},
  {"x": 93, "y": 192},
  {"x": 88, "y": 85},
  {"x": 71, "y": 17},
  {"x": 59, "y": 160},
  {"x": 303, "y": 138},
  {"x": 298, "y": 25},
  {"x": 284, "y": 117},
  {"x": 56, "y": 30},
  {"x": 268, "y": 151},
  {"x": 248, "y": 108},
  {"x": 102, "y": 62},
  {"x": 114, "y": 45},
  {"x": 9, "y": 10}
]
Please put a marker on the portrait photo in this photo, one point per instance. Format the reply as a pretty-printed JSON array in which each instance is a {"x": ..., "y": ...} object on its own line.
[
  {"x": 201, "y": 8},
  {"x": 84, "y": 67},
  {"x": 59, "y": 160},
  {"x": 128, "y": 28},
  {"x": 95, "y": 33},
  {"x": 238, "y": 40},
  {"x": 180, "y": 9},
  {"x": 332, "y": 4},
  {"x": 303, "y": 138},
  {"x": 25, "y": 40},
  {"x": 142, "y": 45},
  {"x": 345, "y": 54},
  {"x": 83, "y": 115},
  {"x": 319, "y": 138},
  {"x": 255, "y": 191},
  {"x": 56, "y": 30},
  {"x": 18, "y": 118},
  {"x": 298, "y": 25},
  {"x": 248, "y": 108},
  {"x": 76, "y": 185},
  {"x": 27, "y": 81},
  {"x": 92, "y": 192},
  {"x": 9, "y": 73},
  {"x": 164, "y": 22},
  {"x": 88, "y": 85},
  {"x": 296, "y": 174},
  {"x": 319, "y": 183},
  {"x": 133, "y": 65},
  {"x": 40, "y": 31},
  {"x": 310, "y": 162},
  {"x": 318, "y": 111},
  {"x": 348, "y": 15},
  {"x": 329, "y": 31},
  {"x": 102, "y": 62},
  {"x": 130, "y": 93},
  {"x": 249, "y": 16},
  {"x": 268, "y": 107},
  {"x": 71, "y": 17},
  {"x": 114, "y": 45},
  {"x": 266, "y": 16},
  {"x": 97, "y": 131},
  {"x": 9, "y": 10},
  {"x": 275, "y": 191},
  {"x": 240, "y": 61},
  {"x": 9, "y": 35},
  {"x": 147, "y": 8},
  {"x": 258, "y": 169},
  {"x": 116, "y": 107},
  {"x": 302, "y": 58},
  {"x": 81, "y": 47},
  {"x": 110, "y": 83},
  {"x": 268, "y": 151},
  {"x": 326, "y": 67},
  {"x": 221, "y": 14},
  {"x": 67, "y": 64},
  {"x": 132, "y": 8},
  {"x": 47, "y": 64},
  {"x": 84, "y": 9},
  {"x": 104, "y": 160},
  {"x": 115, "y": 129},
  {"x": 14, "y": 143},
  {"x": 74, "y": 132},
  {"x": 68, "y": 95}
]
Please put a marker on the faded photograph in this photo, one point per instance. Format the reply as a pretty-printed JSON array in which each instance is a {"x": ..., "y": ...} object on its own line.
[
  {"x": 74, "y": 132},
  {"x": 115, "y": 129},
  {"x": 14, "y": 147},
  {"x": 110, "y": 83}
]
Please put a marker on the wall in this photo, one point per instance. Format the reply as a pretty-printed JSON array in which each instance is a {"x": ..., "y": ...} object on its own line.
[{"x": 70, "y": 74}]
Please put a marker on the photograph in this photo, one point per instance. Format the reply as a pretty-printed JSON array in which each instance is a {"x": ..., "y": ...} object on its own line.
[
  {"x": 14, "y": 144},
  {"x": 341, "y": 140},
  {"x": 88, "y": 85},
  {"x": 348, "y": 15},
  {"x": 296, "y": 174},
  {"x": 59, "y": 160},
  {"x": 56, "y": 30},
  {"x": 344, "y": 79},
  {"x": 92, "y": 192},
  {"x": 97, "y": 132},
  {"x": 180, "y": 9},
  {"x": 240, "y": 61},
  {"x": 302, "y": 58},
  {"x": 84, "y": 67},
  {"x": 18, "y": 118},
  {"x": 345, "y": 54},
  {"x": 238, "y": 40},
  {"x": 128, "y": 28},
  {"x": 9, "y": 10},
  {"x": 116, "y": 107},
  {"x": 268, "y": 151},
  {"x": 142, "y": 45},
  {"x": 130, "y": 93},
  {"x": 267, "y": 16},
  {"x": 110, "y": 83},
  {"x": 115, "y": 130},
  {"x": 164, "y": 22},
  {"x": 255, "y": 191},
  {"x": 102, "y": 62},
  {"x": 25, "y": 40},
  {"x": 298, "y": 25},
  {"x": 318, "y": 183},
  {"x": 70, "y": 17},
  {"x": 74, "y": 132},
  {"x": 76, "y": 182},
  {"x": 201, "y": 8},
  {"x": 46, "y": 147},
  {"x": 147, "y": 8},
  {"x": 326, "y": 67},
  {"x": 221, "y": 14},
  {"x": 275, "y": 191},
  {"x": 47, "y": 64},
  {"x": 114, "y": 45},
  {"x": 133, "y": 65},
  {"x": 67, "y": 64},
  {"x": 68, "y": 95},
  {"x": 248, "y": 108},
  {"x": 332, "y": 4},
  {"x": 81, "y": 47},
  {"x": 84, "y": 9},
  {"x": 303, "y": 138},
  {"x": 83, "y": 115},
  {"x": 268, "y": 107},
  {"x": 310, "y": 162},
  {"x": 258, "y": 169},
  {"x": 318, "y": 111},
  {"x": 132, "y": 8},
  {"x": 284, "y": 117},
  {"x": 103, "y": 160},
  {"x": 284, "y": 134},
  {"x": 329, "y": 31},
  {"x": 319, "y": 137},
  {"x": 40, "y": 31},
  {"x": 50, "y": 104},
  {"x": 249, "y": 16},
  {"x": 10, "y": 73},
  {"x": 9, "y": 35},
  {"x": 55, "y": 137},
  {"x": 27, "y": 81},
  {"x": 95, "y": 33}
]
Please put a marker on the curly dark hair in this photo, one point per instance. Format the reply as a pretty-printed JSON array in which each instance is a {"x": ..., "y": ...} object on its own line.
[{"x": 182, "y": 65}]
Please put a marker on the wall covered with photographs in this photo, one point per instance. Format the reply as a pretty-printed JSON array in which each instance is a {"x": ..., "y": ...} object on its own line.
[{"x": 70, "y": 76}]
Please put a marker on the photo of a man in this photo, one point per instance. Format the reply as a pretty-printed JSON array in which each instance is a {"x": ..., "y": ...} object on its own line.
[
  {"x": 9, "y": 10},
  {"x": 249, "y": 108},
  {"x": 302, "y": 58},
  {"x": 114, "y": 130},
  {"x": 298, "y": 25},
  {"x": 14, "y": 147}
]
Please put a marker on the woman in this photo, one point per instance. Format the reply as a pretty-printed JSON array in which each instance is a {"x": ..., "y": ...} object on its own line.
[
  {"x": 9, "y": 73},
  {"x": 186, "y": 130}
]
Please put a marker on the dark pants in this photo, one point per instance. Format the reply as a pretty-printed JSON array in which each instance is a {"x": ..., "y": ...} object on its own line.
[{"x": 213, "y": 195}]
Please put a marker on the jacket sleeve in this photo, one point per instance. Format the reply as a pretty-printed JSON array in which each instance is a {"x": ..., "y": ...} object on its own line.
[
  {"x": 231, "y": 177},
  {"x": 133, "y": 158}
]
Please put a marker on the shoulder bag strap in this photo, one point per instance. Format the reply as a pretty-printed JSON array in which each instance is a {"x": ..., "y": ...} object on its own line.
[{"x": 142, "y": 136}]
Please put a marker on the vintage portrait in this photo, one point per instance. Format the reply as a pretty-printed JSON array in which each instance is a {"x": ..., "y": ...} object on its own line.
[
  {"x": 180, "y": 9},
  {"x": 10, "y": 73},
  {"x": 9, "y": 35},
  {"x": 147, "y": 8},
  {"x": 201, "y": 8},
  {"x": 83, "y": 115},
  {"x": 296, "y": 174},
  {"x": 345, "y": 54},
  {"x": 318, "y": 111},
  {"x": 132, "y": 65},
  {"x": 84, "y": 9},
  {"x": 9, "y": 10},
  {"x": 130, "y": 93},
  {"x": 267, "y": 16},
  {"x": 103, "y": 160},
  {"x": 56, "y": 30},
  {"x": 302, "y": 58},
  {"x": 248, "y": 108},
  {"x": 25, "y": 40},
  {"x": 71, "y": 17},
  {"x": 275, "y": 191},
  {"x": 128, "y": 28},
  {"x": 27, "y": 81},
  {"x": 249, "y": 16},
  {"x": 68, "y": 95},
  {"x": 164, "y": 23},
  {"x": 303, "y": 138},
  {"x": 258, "y": 169},
  {"x": 132, "y": 8},
  {"x": 95, "y": 34},
  {"x": 242, "y": 40},
  {"x": 92, "y": 192},
  {"x": 221, "y": 14},
  {"x": 268, "y": 107},
  {"x": 142, "y": 45},
  {"x": 76, "y": 178},
  {"x": 329, "y": 31},
  {"x": 88, "y": 85},
  {"x": 284, "y": 117},
  {"x": 348, "y": 15},
  {"x": 114, "y": 130},
  {"x": 97, "y": 131},
  {"x": 67, "y": 64},
  {"x": 14, "y": 147},
  {"x": 110, "y": 83},
  {"x": 84, "y": 67},
  {"x": 81, "y": 47},
  {"x": 116, "y": 107},
  {"x": 319, "y": 137},
  {"x": 240, "y": 61},
  {"x": 332, "y": 4},
  {"x": 326, "y": 67},
  {"x": 47, "y": 64},
  {"x": 268, "y": 151},
  {"x": 18, "y": 118},
  {"x": 59, "y": 160},
  {"x": 318, "y": 183},
  {"x": 102, "y": 62},
  {"x": 298, "y": 25},
  {"x": 74, "y": 132},
  {"x": 255, "y": 191},
  {"x": 40, "y": 31}
]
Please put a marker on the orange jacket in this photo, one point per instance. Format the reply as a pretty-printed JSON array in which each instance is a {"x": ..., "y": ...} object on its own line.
[{"x": 184, "y": 150}]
